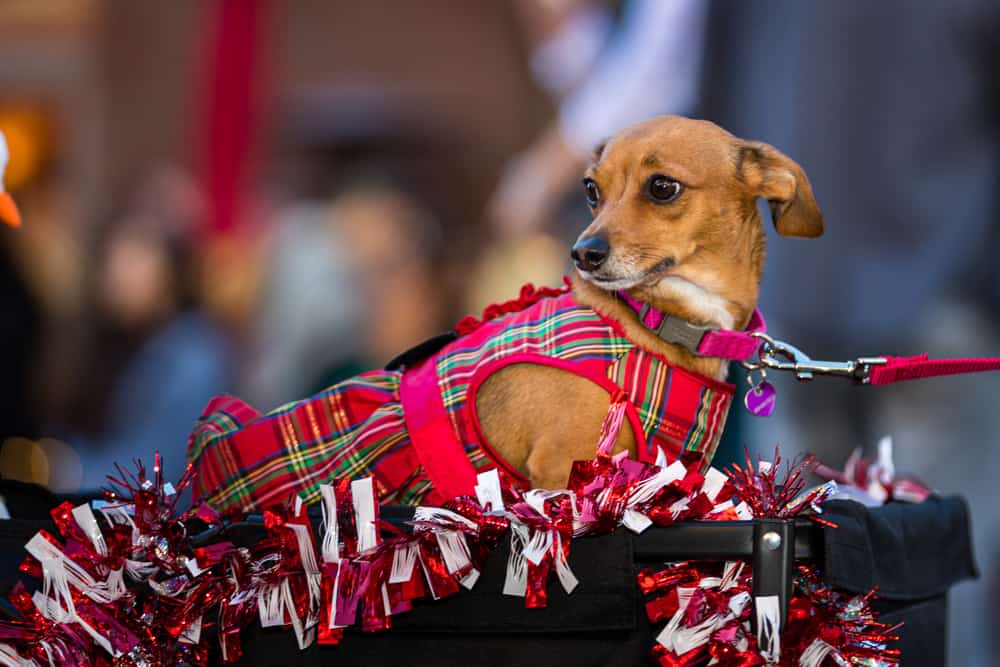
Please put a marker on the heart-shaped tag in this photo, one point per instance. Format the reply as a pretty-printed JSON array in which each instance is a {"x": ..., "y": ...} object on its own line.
[{"x": 760, "y": 399}]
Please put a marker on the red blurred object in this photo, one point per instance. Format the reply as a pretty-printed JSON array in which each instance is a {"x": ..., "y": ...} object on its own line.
[{"x": 232, "y": 104}]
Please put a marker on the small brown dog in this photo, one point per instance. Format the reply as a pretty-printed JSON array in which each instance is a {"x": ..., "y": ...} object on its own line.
[{"x": 675, "y": 228}]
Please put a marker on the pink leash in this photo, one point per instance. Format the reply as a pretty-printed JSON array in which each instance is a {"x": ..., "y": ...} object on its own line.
[{"x": 897, "y": 369}]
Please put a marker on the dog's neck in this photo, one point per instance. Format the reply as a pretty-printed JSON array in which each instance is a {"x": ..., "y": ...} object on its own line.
[{"x": 675, "y": 297}]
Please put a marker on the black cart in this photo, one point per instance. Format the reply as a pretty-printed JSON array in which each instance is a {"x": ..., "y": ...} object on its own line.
[{"x": 913, "y": 553}]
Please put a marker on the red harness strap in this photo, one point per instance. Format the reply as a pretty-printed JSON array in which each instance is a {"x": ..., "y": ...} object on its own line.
[
  {"x": 897, "y": 369},
  {"x": 438, "y": 449}
]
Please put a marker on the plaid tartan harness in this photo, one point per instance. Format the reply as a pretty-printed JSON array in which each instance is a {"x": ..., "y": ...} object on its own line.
[{"x": 416, "y": 430}]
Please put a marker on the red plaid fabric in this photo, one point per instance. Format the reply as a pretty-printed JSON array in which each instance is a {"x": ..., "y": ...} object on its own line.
[{"x": 247, "y": 461}]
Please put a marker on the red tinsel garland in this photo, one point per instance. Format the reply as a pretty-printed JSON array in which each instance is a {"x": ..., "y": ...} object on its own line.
[{"x": 128, "y": 585}]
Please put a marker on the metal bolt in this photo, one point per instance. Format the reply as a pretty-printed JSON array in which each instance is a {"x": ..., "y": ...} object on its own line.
[{"x": 771, "y": 540}]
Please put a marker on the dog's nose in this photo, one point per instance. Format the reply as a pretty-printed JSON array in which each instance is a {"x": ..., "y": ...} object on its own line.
[{"x": 590, "y": 253}]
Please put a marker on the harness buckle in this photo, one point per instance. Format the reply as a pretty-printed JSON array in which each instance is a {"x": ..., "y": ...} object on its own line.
[
  {"x": 680, "y": 332},
  {"x": 781, "y": 356},
  {"x": 677, "y": 331}
]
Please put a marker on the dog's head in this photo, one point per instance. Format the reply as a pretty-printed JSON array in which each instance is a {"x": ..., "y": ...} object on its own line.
[{"x": 675, "y": 220}]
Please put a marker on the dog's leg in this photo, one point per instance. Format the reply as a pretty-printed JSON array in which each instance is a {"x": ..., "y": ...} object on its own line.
[{"x": 541, "y": 419}]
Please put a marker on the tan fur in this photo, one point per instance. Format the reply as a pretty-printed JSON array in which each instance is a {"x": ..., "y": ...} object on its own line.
[{"x": 541, "y": 419}]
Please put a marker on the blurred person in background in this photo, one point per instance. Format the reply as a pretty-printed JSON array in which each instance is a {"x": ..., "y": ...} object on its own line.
[
  {"x": 396, "y": 244},
  {"x": 306, "y": 318},
  {"x": 156, "y": 358},
  {"x": 349, "y": 285}
]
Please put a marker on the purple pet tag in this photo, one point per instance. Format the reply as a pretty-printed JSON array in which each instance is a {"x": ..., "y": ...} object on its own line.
[{"x": 760, "y": 399}]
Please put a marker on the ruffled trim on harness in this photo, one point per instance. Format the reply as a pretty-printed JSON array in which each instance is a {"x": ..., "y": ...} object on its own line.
[{"x": 529, "y": 296}]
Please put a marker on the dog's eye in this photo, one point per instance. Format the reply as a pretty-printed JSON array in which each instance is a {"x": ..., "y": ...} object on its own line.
[
  {"x": 593, "y": 194},
  {"x": 663, "y": 188}
]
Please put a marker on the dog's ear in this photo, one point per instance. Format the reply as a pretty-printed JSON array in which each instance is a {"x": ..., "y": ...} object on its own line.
[{"x": 771, "y": 174}]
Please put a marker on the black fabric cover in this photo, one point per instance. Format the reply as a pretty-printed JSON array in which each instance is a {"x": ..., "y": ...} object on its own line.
[
  {"x": 910, "y": 552},
  {"x": 913, "y": 554}
]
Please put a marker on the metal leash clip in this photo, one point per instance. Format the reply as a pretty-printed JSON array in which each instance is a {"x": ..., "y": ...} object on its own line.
[{"x": 781, "y": 356}]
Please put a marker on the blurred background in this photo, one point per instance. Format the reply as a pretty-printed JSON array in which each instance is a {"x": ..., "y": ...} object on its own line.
[{"x": 264, "y": 197}]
